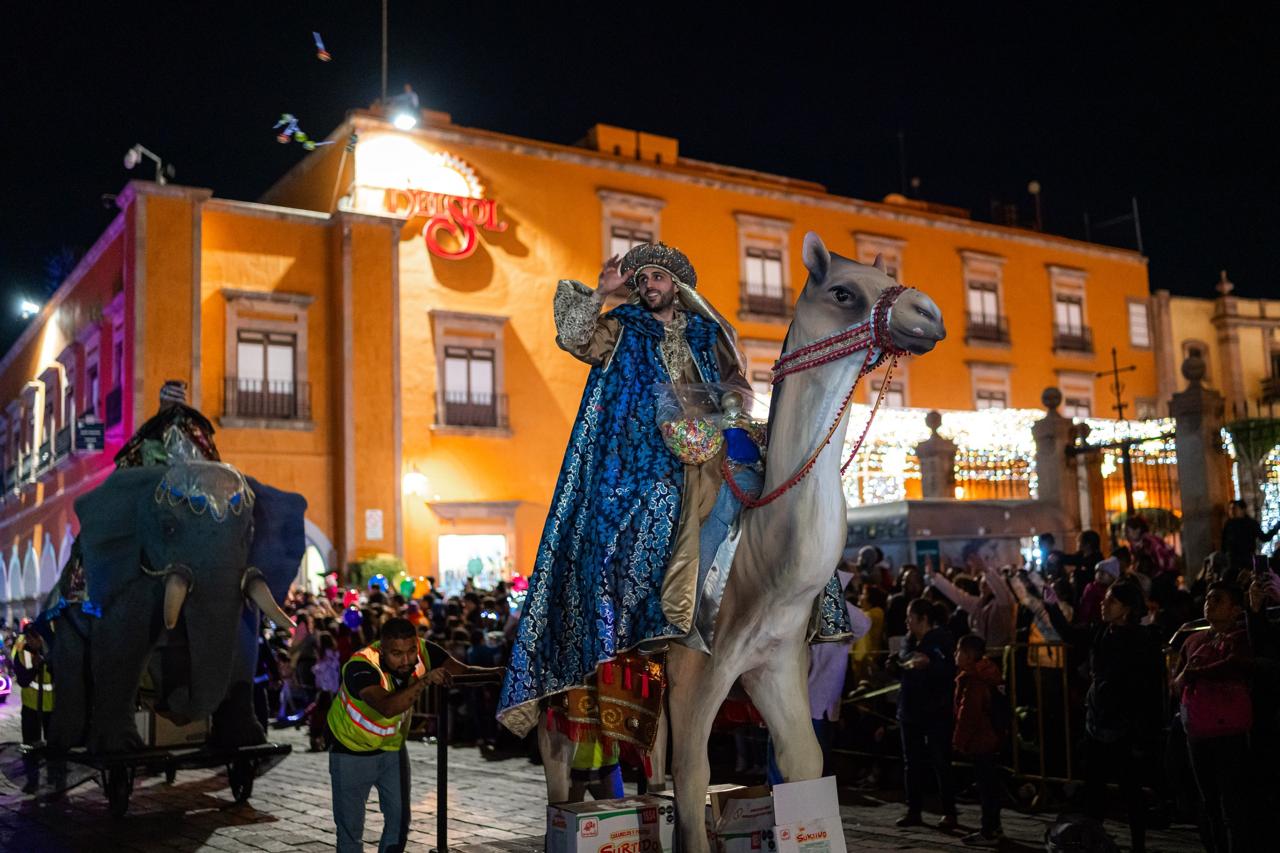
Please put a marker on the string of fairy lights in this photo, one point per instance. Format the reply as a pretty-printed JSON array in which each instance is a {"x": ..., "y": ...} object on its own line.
[
  {"x": 1268, "y": 485},
  {"x": 995, "y": 453}
]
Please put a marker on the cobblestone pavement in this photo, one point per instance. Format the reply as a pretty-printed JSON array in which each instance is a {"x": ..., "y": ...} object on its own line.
[{"x": 493, "y": 806}]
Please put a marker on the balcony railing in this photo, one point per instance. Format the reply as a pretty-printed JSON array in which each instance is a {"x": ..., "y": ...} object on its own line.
[
  {"x": 1073, "y": 338},
  {"x": 472, "y": 410},
  {"x": 1271, "y": 389},
  {"x": 992, "y": 328},
  {"x": 771, "y": 304},
  {"x": 257, "y": 398},
  {"x": 115, "y": 400}
]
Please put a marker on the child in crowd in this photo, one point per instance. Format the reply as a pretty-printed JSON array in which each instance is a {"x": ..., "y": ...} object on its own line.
[{"x": 977, "y": 690}]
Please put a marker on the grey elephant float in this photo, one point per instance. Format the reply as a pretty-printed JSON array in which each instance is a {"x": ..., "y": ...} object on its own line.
[{"x": 179, "y": 563}]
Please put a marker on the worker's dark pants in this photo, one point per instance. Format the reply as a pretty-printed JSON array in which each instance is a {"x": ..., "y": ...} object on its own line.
[{"x": 352, "y": 776}]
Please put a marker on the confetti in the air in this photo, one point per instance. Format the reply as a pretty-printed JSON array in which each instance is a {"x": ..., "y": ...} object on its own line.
[{"x": 321, "y": 53}]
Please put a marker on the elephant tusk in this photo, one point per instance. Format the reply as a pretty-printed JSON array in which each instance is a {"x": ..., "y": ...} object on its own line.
[
  {"x": 176, "y": 587},
  {"x": 257, "y": 592}
]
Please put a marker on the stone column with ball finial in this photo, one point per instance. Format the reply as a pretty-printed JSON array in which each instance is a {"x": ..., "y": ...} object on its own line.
[
  {"x": 1204, "y": 471},
  {"x": 937, "y": 457},
  {"x": 1057, "y": 483}
]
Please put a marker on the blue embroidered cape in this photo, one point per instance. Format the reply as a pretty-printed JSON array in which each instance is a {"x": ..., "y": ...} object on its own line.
[{"x": 596, "y": 586}]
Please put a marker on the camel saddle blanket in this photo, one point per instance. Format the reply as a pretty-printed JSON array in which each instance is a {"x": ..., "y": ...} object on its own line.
[{"x": 622, "y": 702}]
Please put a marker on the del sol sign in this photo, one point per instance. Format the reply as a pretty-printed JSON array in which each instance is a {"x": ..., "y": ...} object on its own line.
[
  {"x": 442, "y": 192},
  {"x": 456, "y": 219}
]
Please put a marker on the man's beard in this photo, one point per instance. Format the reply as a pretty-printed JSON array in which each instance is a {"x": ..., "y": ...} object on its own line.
[{"x": 668, "y": 299}]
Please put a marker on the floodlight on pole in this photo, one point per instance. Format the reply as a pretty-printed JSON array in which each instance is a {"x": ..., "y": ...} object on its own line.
[
  {"x": 28, "y": 309},
  {"x": 134, "y": 156},
  {"x": 404, "y": 121},
  {"x": 1034, "y": 189}
]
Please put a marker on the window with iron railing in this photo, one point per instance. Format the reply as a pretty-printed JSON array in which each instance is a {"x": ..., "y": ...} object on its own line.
[
  {"x": 265, "y": 384},
  {"x": 984, "y": 321},
  {"x": 1069, "y": 330},
  {"x": 764, "y": 291},
  {"x": 469, "y": 397}
]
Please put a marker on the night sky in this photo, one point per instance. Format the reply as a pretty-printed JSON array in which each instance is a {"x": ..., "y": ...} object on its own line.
[{"x": 1098, "y": 106}]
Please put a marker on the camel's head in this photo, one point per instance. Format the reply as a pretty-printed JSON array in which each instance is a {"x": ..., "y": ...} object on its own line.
[{"x": 840, "y": 293}]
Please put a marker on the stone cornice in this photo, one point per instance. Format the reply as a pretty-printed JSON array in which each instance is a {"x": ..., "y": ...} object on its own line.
[{"x": 759, "y": 185}]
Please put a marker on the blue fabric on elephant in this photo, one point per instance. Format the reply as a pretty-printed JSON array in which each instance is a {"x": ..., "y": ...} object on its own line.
[
  {"x": 596, "y": 585},
  {"x": 279, "y": 536}
]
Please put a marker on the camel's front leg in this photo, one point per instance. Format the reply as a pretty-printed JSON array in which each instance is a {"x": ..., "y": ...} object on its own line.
[
  {"x": 557, "y": 759},
  {"x": 696, "y": 690},
  {"x": 779, "y": 688}
]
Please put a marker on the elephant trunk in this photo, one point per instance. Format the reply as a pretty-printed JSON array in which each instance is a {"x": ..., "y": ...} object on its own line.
[
  {"x": 176, "y": 586},
  {"x": 256, "y": 591}
]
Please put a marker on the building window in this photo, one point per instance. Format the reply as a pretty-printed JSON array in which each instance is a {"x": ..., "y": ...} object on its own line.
[
  {"x": 1077, "y": 394},
  {"x": 760, "y": 355},
  {"x": 1070, "y": 331},
  {"x": 1145, "y": 408},
  {"x": 470, "y": 367},
  {"x": 990, "y": 383},
  {"x": 628, "y": 220},
  {"x": 113, "y": 402},
  {"x": 93, "y": 391},
  {"x": 985, "y": 398},
  {"x": 1076, "y": 407},
  {"x": 1139, "y": 325},
  {"x": 266, "y": 381},
  {"x": 889, "y": 249},
  {"x": 895, "y": 396},
  {"x": 469, "y": 398},
  {"x": 985, "y": 323},
  {"x": 623, "y": 238},
  {"x": 765, "y": 291}
]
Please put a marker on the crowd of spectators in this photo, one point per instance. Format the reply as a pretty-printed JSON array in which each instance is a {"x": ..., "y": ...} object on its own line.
[{"x": 1156, "y": 690}]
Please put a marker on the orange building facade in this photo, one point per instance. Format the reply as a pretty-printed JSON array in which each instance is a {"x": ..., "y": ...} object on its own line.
[{"x": 377, "y": 332}]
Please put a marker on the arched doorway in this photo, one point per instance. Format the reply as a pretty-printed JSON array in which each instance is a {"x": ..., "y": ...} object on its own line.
[{"x": 316, "y": 560}]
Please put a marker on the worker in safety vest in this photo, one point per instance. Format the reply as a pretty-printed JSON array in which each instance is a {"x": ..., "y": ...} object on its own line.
[
  {"x": 33, "y": 675},
  {"x": 369, "y": 719},
  {"x": 31, "y": 671}
]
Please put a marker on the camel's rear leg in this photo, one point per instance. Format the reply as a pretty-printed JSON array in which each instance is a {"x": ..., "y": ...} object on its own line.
[
  {"x": 779, "y": 689},
  {"x": 696, "y": 690},
  {"x": 657, "y": 778}
]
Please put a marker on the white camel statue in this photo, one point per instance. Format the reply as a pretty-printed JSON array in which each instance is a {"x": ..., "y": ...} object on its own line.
[{"x": 789, "y": 546}]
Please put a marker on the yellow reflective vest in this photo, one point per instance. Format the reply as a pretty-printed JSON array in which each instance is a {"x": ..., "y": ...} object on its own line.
[
  {"x": 355, "y": 724},
  {"x": 34, "y": 696}
]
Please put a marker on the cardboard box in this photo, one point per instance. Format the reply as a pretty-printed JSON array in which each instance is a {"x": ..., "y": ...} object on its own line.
[
  {"x": 715, "y": 793},
  {"x": 808, "y": 817},
  {"x": 155, "y": 730},
  {"x": 744, "y": 820},
  {"x": 643, "y": 824}
]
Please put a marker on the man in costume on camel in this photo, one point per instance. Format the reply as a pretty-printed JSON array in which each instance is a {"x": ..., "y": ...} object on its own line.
[{"x": 617, "y": 573}]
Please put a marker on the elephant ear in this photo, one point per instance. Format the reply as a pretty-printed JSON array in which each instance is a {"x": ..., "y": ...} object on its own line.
[
  {"x": 279, "y": 536},
  {"x": 109, "y": 530}
]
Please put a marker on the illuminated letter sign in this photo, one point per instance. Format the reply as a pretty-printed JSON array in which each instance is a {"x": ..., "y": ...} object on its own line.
[{"x": 455, "y": 217}]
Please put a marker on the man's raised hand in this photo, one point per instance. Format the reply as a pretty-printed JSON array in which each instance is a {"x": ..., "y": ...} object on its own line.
[{"x": 611, "y": 278}]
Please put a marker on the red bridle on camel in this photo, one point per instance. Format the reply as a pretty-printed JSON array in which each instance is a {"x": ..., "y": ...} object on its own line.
[{"x": 871, "y": 334}]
